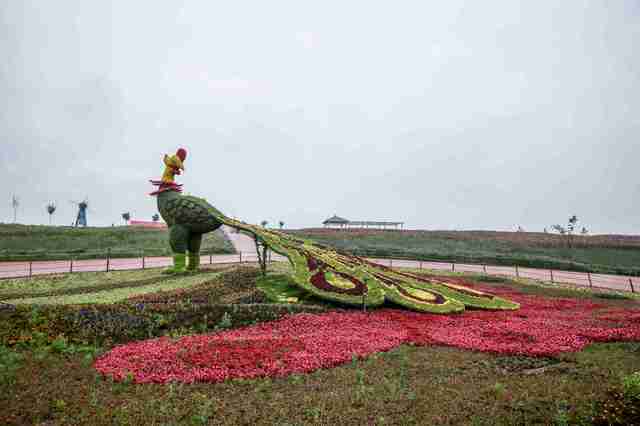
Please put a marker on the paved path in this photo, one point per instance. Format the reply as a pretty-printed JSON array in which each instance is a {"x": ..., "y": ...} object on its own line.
[
  {"x": 242, "y": 243},
  {"x": 247, "y": 253},
  {"x": 604, "y": 281}
]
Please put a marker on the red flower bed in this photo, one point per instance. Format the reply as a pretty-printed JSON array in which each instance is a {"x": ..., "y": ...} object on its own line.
[
  {"x": 305, "y": 342},
  {"x": 297, "y": 344}
]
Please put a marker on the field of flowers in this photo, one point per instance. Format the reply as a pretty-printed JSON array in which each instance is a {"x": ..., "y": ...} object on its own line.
[
  {"x": 211, "y": 351},
  {"x": 542, "y": 327},
  {"x": 344, "y": 341}
]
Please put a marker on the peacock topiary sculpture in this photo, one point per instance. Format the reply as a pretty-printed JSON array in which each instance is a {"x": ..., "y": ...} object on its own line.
[{"x": 322, "y": 271}]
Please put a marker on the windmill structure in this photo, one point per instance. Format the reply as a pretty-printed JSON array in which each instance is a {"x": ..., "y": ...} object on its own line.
[
  {"x": 81, "y": 217},
  {"x": 51, "y": 208},
  {"x": 15, "y": 202}
]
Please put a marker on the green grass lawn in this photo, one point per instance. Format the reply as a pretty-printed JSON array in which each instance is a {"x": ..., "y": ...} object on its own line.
[
  {"x": 35, "y": 242},
  {"x": 54, "y": 383},
  {"x": 490, "y": 248}
]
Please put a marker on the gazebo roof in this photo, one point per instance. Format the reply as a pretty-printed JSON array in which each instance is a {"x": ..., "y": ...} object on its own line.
[{"x": 335, "y": 219}]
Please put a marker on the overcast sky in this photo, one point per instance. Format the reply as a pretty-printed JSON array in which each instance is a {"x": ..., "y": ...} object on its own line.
[{"x": 445, "y": 115}]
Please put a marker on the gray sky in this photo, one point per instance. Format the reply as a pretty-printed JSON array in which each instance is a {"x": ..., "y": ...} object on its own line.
[{"x": 445, "y": 115}]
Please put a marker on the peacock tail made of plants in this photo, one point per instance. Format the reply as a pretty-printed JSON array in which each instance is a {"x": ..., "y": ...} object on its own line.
[{"x": 352, "y": 280}]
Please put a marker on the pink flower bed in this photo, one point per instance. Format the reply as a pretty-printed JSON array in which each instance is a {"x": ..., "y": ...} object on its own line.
[{"x": 306, "y": 342}]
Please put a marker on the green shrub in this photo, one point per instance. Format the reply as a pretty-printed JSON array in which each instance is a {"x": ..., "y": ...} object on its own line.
[
  {"x": 225, "y": 322},
  {"x": 614, "y": 296},
  {"x": 9, "y": 363},
  {"x": 621, "y": 405},
  {"x": 59, "y": 344},
  {"x": 631, "y": 385}
]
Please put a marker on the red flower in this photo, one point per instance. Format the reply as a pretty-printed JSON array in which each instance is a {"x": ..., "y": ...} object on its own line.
[{"x": 306, "y": 342}]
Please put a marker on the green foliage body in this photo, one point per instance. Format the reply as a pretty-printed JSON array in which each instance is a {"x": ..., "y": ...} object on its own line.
[{"x": 188, "y": 219}]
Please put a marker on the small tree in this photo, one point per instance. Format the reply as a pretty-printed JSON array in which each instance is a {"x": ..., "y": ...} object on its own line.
[
  {"x": 155, "y": 217},
  {"x": 571, "y": 227},
  {"x": 281, "y": 223},
  {"x": 569, "y": 231},
  {"x": 261, "y": 250},
  {"x": 51, "y": 208},
  {"x": 126, "y": 216},
  {"x": 264, "y": 223},
  {"x": 584, "y": 232}
]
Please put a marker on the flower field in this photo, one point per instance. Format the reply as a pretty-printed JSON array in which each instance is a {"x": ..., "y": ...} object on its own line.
[
  {"x": 306, "y": 342},
  {"x": 214, "y": 352}
]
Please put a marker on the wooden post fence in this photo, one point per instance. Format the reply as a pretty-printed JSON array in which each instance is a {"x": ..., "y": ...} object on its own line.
[
  {"x": 589, "y": 277},
  {"x": 210, "y": 259},
  {"x": 631, "y": 285},
  {"x": 517, "y": 272},
  {"x": 108, "y": 258},
  {"x": 551, "y": 271},
  {"x": 241, "y": 257},
  {"x": 71, "y": 265},
  {"x": 143, "y": 266},
  {"x": 30, "y": 268},
  {"x": 453, "y": 267}
]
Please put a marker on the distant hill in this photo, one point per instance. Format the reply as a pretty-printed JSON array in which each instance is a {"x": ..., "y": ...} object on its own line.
[
  {"x": 599, "y": 253},
  {"x": 36, "y": 242}
]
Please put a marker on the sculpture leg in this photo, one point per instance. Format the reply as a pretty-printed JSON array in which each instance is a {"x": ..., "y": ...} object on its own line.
[
  {"x": 179, "y": 240},
  {"x": 194, "y": 251}
]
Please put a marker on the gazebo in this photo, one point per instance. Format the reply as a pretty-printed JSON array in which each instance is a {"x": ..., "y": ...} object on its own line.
[
  {"x": 336, "y": 221},
  {"x": 340, "y": 222}
]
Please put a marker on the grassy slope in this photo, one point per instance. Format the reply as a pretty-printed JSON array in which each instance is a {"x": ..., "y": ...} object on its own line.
[
  {"x": 596, "y": 254},
  {"x": 34, "y": 242},
  {"x": 408, "y": 385}
]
